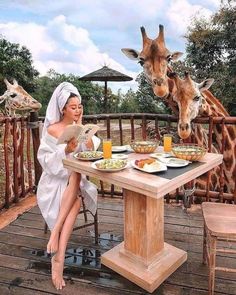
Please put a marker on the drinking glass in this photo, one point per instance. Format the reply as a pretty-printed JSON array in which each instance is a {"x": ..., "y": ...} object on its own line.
[
  {"x": 167, "y": 143},
  {"x": 107, "y": 148}
]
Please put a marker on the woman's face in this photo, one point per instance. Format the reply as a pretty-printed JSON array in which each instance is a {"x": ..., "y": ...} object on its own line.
[{"x": 73, "y": 109}]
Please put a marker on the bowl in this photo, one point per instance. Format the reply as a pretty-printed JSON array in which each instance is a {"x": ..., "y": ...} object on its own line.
[
  {"x": 144, "y": 147},
  {"x": 190, "y": 152}
]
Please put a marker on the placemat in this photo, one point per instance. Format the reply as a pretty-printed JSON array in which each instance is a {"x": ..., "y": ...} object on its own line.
[{"x": 174, "y": 172}]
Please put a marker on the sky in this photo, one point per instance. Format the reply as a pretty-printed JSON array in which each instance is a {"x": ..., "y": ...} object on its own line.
[{"x": 80, "y": 36}]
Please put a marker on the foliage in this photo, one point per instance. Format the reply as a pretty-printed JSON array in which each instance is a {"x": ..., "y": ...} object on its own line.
[
  {"x": 92, "y": 94},
  {"x": 16, "y": 62},
  {"x": 129, "y": 102},
  {"x": 211, "y": 51}
]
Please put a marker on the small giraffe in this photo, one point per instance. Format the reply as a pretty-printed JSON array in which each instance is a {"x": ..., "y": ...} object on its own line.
[
  {"x": 154, "y": 58},
  {"x": 194, "y": 99},
  {"x": 17, "y": 99}
]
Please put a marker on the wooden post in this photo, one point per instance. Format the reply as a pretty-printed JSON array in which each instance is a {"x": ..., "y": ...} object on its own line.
[{"x": 34, "y": 126}]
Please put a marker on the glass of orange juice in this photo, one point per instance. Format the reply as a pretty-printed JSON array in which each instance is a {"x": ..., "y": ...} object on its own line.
[
  {"x": 106, "y": 147},
  {"x": 167, "y": 143}
]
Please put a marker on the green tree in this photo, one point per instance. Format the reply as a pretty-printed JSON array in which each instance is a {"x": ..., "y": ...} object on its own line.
[
  {"x": 16, "y": 62},
  {"x": 91, "y": 94},
  {"x": 129, "y": 102},
  {"x": 211, "y": 52}
]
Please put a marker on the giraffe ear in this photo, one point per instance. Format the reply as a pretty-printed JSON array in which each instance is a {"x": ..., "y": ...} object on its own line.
[
  {"x": 206, "y": 84},
  {"x": 175, "y": 55},
  {"x": 130, "y": 53}
]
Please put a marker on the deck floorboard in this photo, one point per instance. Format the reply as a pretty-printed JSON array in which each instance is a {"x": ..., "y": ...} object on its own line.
[{"x": 25, "y": 267}]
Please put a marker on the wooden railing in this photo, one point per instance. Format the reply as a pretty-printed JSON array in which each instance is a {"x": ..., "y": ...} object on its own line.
[{"x": 20, "y": 170}]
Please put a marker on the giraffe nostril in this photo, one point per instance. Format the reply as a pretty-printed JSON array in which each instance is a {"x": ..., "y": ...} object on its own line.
[
  {"x": 183, "y": 126},
  {"x": 158, "y": 81}
]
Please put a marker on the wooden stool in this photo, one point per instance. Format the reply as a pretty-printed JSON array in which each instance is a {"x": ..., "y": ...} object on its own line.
[
  {"x": 219, "y": 225},
  {"x": 86, "y": 223}
]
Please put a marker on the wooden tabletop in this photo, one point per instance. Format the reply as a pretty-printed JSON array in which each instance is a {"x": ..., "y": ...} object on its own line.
[{"x": 144, "y": 183}]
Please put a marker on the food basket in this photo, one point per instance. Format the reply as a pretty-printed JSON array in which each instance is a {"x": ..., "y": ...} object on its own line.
[
  {"x": 190, "y": 152},
  {"x": 144, "y": 147}
]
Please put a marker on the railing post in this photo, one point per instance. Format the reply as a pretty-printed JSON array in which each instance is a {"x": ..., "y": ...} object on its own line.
[{"x": 33, "y": 124}]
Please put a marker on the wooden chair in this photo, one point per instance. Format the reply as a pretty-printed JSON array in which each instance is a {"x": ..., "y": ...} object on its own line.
[
  {"x": 219, "y": 225},
  {"x": 84, "y": 211}
]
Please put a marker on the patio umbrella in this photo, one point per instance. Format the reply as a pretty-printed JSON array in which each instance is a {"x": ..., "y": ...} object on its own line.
[{"x": 106, "y": 74}]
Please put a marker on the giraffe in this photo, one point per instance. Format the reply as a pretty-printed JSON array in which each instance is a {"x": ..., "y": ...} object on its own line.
[
  {"x": 17, "y": 99},
  {"x": 155, "y": 59},
  {"x": 195, "y": 99}
]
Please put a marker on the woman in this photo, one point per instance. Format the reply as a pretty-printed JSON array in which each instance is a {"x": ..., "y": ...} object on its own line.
[{"x": 58, "y": 188}]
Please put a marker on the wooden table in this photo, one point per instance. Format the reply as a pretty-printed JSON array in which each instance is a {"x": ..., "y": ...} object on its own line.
[{"x": 144, "y": 258}]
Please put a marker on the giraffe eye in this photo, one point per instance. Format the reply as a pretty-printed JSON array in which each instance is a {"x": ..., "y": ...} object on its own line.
[
  {"x": 169, "y": 58},
  {"x": 141, "y": 61},
  {"x": 13, "y": 95},
  {"x": 196, "y": 98}
]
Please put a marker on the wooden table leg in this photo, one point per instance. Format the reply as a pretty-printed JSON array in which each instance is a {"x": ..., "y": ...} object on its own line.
[{"x": 143, "y": 257}]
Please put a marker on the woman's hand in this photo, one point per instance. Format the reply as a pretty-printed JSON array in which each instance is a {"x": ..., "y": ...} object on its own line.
[
  {"x": 71, "y": 145},
  {"x": 79, "y": 121}
]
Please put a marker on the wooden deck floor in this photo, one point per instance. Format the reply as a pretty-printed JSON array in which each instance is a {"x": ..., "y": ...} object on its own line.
[{"x": 25, "y": 268}]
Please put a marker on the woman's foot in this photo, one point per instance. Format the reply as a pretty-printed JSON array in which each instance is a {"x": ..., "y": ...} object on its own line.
[
  {"x": 52, "y": 245},
  {"x": 57, "y": 273}
]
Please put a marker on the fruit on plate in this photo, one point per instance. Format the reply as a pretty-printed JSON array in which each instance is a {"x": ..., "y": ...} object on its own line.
[
  {"x": 142, "y": 162},
  {"x": 90, "y": 154},
  {"x": 111, "y": 164}
]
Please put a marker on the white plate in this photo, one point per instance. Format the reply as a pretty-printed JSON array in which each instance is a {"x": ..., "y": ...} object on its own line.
[
  {"x": 93, "y": 165},
  {"x": 119, "y": 148},
  {"x": 99, "y": 156},
  {"x": 174, "y": 162},
  {"x": 120, "y": 156},
  {"x": 163, "y": 155},
  {"x": 157, "y": 168}
]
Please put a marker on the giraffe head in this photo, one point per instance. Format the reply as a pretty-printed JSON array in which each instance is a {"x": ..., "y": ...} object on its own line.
[
  {"x": 154, "y": 59},
  {"x": 16, "y": 98},
  {"x": 188, "y": 96}
]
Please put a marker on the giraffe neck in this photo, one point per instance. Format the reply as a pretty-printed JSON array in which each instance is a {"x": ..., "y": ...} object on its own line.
[{"x": 211, "y": 106}]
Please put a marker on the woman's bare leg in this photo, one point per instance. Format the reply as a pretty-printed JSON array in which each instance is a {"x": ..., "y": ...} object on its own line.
[
  {"x": 59, "y": 257},
  {"x": 67, "y": 202}
]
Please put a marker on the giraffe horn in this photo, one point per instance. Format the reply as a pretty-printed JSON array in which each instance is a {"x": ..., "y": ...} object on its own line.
[
  {"x": 8, "y": 84},
  {"x": 15, "y": 83},
  {"x": 144, "y": 35},
  {"x": 161, "y": 34},
  {"x": 187, "y": 75}
]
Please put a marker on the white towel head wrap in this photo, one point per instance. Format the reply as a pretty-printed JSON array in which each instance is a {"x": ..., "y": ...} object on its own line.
[{"x": 57, "y": 103}]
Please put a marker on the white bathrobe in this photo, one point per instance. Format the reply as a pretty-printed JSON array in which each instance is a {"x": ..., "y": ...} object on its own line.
[{"x": 54, "y": 179}]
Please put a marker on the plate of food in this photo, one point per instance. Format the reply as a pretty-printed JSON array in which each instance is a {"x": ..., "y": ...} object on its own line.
[
  {"x": 119, "y": 148},
  {"x": 163, "y": 155},
  {"x": 148, "y": 165},
  {"x": 119, "y": 156},
  {"x": 89, "y": 155},
  {"x": 174, "y": 162},
  {"x": 110, "y": 165}
]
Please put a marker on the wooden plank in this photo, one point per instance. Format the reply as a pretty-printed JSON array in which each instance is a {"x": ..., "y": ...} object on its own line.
[
  {"x": 11, "y": 289},
  {"x": 18, "y": 240},
  {"x": 11, "y": 214}
]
